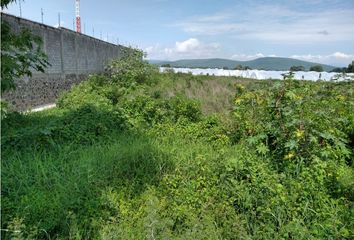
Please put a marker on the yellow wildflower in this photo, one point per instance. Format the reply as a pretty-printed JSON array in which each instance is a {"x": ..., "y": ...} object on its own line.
[
  {"x": 238, "y": 101},
  {"x": 299, "y": 133},
  {"x": 289, "y": 156}
]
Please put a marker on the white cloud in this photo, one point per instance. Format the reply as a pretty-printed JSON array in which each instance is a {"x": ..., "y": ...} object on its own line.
[
  {"x": 187, "y": 46},
  {"x": 340, "y": 55},
  {"x": 336, "y": 58},
  {"x": 151, "y": 49},
  {"x": 190, "y": 48}
]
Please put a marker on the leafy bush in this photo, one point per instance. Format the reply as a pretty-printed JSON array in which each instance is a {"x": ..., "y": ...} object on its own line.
[
  {"x": 316, "y": 68},
  {"x": 86, "y": 93},
  {"x": 297, "y": 68},
  {"x": 82, "y": 126},
  {"x": 148, "y": 110},
  {"x": 4, "y": 109},
  {"x": 302, "y": 128},
  {"x": 131, "y": 69},
  {"x": 21, "y": 53},
  {"x": 209, "y": 130},
  {"x": 288, "y": 123}
]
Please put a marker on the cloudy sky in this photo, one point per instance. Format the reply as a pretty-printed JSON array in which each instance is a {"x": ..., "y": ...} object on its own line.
[{"x": 313, "y": 30}]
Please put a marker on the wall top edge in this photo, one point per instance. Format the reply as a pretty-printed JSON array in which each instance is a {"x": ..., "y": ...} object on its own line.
[{"x": 16, "y": 18}]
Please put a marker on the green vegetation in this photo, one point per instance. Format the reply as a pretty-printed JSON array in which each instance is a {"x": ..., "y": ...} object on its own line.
[
  {"x": 316, "y": 68},
  {"x": 350, "y": 68},
  {"x": 240, "y": 67},
  {"x": 21, "y": 53},
  {"x": 297, "y": 68},
  {"x": 265, "y": 63},
  {"x": 135, "y": 154},
  {"x": 339, "y": 70}
]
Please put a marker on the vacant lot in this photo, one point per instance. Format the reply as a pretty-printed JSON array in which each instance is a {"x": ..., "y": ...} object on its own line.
[{"x": 143, "y": 155}]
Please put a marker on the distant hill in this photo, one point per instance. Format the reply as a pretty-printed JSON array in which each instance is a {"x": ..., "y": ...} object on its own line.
[
  {"x": 266, "y": 63},
  {"x": 157, "y": 62}
]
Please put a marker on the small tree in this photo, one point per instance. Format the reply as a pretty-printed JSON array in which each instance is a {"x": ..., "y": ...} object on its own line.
[
  {"x": 238, "y": 67},
  {"x": 297, "y": 68},
  {"x": 131, "y": 68},
  {"x": 339, "y": 70},
  {"x": 350, "y": 68},
  {"x": 20, "y": 54},
  {"x": 316, "y": 68}
]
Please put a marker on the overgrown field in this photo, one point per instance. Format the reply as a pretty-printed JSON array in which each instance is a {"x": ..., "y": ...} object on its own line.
[{"x": 134, "y": 154}]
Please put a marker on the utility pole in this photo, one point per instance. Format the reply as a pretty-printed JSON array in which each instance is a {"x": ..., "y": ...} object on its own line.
[
  {"x": 101, "y": 34},
  {"x": 78, "y": 19},
  {"x": 93, "y": 32},
  {"x": 59, "y": 19},
  {"x": 19, "y": 4},
  {"x": 42, "y": 15},
  {"x": 84, "y": 28},
  {"x": 73, "y": 24}
]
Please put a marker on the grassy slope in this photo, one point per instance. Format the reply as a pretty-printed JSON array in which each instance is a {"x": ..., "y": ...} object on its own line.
[
  {"x": 181, "y": 180},
  {"x": 216, "y": 94}
]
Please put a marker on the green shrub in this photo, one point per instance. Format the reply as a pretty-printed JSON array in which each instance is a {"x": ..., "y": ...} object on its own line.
[
  {"x": 316, "y": 68},
  {"x": 90, "y": 92},
  {"x": 131, "y": 69},
  {"x": 294, "y": 122},
  {"x": 147, "y": 110},
  {"x": 82, "y": 126}
]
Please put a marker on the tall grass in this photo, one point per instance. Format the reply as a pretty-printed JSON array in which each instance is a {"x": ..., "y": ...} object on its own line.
[{"x": 50, "y": 186}]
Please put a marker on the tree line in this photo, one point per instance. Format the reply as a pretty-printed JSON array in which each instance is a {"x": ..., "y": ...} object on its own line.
[{"x": 319, "y": 68}]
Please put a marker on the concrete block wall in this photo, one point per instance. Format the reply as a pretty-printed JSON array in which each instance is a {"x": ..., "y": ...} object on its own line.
[{"x": 73, "y": 56}]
